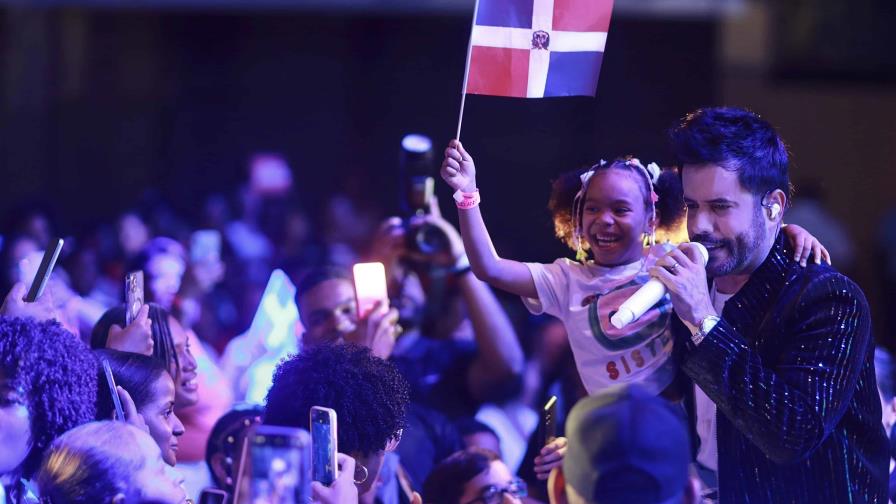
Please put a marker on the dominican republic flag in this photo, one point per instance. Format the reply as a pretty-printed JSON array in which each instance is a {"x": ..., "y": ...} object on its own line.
[{"x": 538, "y": 48}]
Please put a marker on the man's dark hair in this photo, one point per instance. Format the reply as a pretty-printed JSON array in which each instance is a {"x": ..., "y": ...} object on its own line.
[
  {"x": 163, "y": 344},
  {"x": 445, "y": 483},
  {"x": 316, "y": 276},
  {"x": 737, "y": 140},
  {"x": 57, "y": 373},
  {"x": 134, "y": 372},
  {"x": 369, "y": 395}
]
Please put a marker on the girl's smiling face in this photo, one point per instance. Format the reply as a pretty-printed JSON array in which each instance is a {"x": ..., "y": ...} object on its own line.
[{"x": 615, "y": 217}]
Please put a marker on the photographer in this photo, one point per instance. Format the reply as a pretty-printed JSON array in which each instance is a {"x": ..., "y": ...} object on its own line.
[{"x": 459, "y": 348}]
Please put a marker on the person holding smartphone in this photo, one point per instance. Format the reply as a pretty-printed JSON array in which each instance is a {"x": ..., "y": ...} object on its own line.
[{"x": 368, "y": 394}]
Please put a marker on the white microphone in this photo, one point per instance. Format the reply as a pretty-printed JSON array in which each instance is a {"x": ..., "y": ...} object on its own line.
[{"x": 644, "y": 298}]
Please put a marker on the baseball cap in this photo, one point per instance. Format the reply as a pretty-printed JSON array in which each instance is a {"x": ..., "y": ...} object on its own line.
[{"x": 626, "y": 445}]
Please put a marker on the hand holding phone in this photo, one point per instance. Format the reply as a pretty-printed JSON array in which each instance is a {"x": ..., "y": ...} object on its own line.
[
  {"x": 553, "y": 448},
  {"x": 323, "y": 445},
  {"x": 343, "y": 489},
  {"x": 371, "y": 289}
]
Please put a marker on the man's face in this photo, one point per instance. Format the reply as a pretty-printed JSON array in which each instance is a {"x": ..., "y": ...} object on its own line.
[
  {"x": 726, "y": 218},
  {"x": 328, "y": 311}
]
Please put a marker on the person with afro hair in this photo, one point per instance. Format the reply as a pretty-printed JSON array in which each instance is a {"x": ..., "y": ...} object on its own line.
[
  {"x": 369, "y": 395},
  {"x": 48, "y": 385}
]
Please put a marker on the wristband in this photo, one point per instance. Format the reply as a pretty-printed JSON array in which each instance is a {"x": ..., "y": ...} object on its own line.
[{"x": 467, "y": 200}]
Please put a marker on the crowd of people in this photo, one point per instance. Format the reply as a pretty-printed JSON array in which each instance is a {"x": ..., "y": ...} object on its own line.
[{"x": 755, "y": 378}]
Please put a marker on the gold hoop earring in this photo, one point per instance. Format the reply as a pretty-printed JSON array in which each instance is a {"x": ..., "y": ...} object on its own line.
[{"x": 366, "y": 474}]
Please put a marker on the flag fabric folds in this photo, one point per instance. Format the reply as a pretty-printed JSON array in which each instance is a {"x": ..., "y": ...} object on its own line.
[{"x": 538, "y": 48}]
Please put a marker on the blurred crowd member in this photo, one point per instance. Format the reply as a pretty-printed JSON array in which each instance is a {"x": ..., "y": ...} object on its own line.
[
  {"x": 625, "y": 445},
  {"x": 109, "y": 463},
  {"x": 478, "y": 435},
  {"x": 151, "y": 388},
  {"x": 47, "y": 386},
  {"x": 222, "y": 455},
  {"x": 459, "y": 348},
  {"x": 473, "y": 476},
  {"x": 368, "y": 394}
]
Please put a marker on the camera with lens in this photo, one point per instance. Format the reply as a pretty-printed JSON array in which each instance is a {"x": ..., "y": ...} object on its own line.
[{"x": 418, "y": 169}]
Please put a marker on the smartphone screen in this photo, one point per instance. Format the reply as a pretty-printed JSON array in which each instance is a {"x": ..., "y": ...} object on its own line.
[
  {"x": 277, "y": 312},
  {"x": 370, "y": 287},
  {"x": 549, "y": 421},
  {"x": 42, "y": 275},
  {"x": 323, "y": 445},
  {"x": 278, "y": 469},
  {"x": 133, "y": 295},
  {"x": 205, "y": 245},
  {"x": 113, "y": 390}
]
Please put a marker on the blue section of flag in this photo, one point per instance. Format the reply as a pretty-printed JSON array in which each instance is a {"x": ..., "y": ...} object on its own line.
[
  {"x": 573, "y": 73},
  {"x": 510, "y": 13}
]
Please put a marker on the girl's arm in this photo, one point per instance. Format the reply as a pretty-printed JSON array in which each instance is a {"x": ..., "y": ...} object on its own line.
[{"x": 512, "y": 276}]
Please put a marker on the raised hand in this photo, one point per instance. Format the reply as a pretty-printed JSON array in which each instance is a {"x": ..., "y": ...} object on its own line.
[
  {"x": 136, "y": 338},
  {"x": 343, "y": 490},
  {"x": 458, "y": 168}
]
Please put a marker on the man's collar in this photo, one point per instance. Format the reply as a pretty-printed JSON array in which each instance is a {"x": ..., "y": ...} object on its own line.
[{"x": 767, "y": 279}]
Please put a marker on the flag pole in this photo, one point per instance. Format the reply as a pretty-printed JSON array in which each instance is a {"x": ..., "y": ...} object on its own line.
[{"x": 463, "y": 91}]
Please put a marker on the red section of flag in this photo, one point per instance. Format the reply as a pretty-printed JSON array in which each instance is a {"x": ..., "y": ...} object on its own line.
[
  {"x": 498, "y": 71},
  {"x": 582, "y": 15}
]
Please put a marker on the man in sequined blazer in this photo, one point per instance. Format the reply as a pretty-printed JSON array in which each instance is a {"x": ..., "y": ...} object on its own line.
[{"x": 784, "y": 402}]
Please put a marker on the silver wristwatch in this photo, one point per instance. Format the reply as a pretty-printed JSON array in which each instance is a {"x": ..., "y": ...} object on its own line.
[{"x": 704, "y": 327}]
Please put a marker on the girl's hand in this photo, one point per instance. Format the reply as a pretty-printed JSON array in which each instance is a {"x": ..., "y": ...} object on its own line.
[
  {"x": 804, "y": 244},
  {"x": 458, "y": 168},
  {"x": 549, "y": 457}
]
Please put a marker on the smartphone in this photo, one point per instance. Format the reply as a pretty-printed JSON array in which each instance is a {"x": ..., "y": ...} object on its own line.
[
  {"x": 276, "y": 466},
  {"x": 42, "y": 276},
  {"x": 213, "y": 496},
  {"x": 133, "y": 295},
  {"x": 205, "y": 245},
  {"x": 370, "y": 287},
  {"x": 113, "y": 391},
  {"x": 323, "y": 445},
  {"x": 548, "y": 424}
]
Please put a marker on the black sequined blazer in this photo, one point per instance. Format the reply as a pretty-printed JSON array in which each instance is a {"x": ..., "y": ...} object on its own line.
[{"x": 790, "y": 367}]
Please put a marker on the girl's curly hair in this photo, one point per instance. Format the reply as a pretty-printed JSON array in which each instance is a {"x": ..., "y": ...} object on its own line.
[
  {"x": 670, "y": 207},
  {"x": 57, "y": 373},
  {"x": 369, "y": 395}
]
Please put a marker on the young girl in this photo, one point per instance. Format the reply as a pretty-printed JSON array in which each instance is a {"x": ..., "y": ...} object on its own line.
[{"x": 610, "y": 210}]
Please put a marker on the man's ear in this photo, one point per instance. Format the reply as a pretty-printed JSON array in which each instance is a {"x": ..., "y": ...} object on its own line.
[
  {"x": 118, "y": 499},
  {"x": 775, "y": 202},
  {"x": 557, "y": 487}
]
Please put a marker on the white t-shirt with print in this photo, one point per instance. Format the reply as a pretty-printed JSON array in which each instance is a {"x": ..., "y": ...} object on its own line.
[{"x": 584, "y": 297}]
